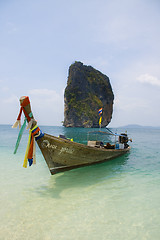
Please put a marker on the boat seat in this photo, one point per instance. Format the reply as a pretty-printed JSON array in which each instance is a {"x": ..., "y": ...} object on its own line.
[
  {"x": 95, "y": 144},
  {"x": 109, "y": 146},
  {"x": 62, "y": 136}
]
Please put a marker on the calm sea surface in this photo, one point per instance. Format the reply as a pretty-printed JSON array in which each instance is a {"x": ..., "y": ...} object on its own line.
[{"x": 116, "y": 200}]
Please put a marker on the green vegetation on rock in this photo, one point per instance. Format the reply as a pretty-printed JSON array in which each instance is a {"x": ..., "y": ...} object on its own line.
[{"x": 87, "y": 90}]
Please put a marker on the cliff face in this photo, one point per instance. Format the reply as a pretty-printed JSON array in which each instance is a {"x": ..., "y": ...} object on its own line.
[{"x": 87, "y": 90}]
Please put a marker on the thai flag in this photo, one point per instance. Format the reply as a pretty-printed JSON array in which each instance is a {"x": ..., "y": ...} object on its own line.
[{"x": 100, "y": 111}]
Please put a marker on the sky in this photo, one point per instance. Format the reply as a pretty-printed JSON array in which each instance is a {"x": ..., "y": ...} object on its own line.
[{"x": 40, "y": 39}]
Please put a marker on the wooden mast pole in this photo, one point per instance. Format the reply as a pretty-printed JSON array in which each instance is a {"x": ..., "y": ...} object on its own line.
[{"x": 28, "y": 110}]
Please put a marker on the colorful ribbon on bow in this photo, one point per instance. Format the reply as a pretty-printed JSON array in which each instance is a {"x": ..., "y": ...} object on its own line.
[
  {"x": 34, "y": 133},
  {"x": 30, "y": 150},
  {"x": 18, "y": 121}
]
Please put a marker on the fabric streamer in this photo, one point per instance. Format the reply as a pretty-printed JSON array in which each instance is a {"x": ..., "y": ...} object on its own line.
[
  {"x": 30, "y": 151},
  {"x": 20, "y": 135},
  {"x": 34, "y": 134},
  {"x": 18, "y": 122},
  {"x": 30, "y": 123},
  {"x": 23, "y": 104},
  {"x": 34, "y": 151},
  {"x": 21, "y": 132},
  {"x": 100, "y": 121},
  {"x": 27, "y": 149}
]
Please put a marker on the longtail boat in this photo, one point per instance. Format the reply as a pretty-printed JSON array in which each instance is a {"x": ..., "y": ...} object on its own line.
[{"x": 62, "y": 154}]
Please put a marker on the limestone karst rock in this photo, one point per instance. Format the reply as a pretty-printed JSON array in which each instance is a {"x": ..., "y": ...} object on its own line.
[{"x": 87, "y": 90}]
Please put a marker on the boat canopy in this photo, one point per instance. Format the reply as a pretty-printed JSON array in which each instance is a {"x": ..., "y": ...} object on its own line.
[{"x": 106, "y": 133}]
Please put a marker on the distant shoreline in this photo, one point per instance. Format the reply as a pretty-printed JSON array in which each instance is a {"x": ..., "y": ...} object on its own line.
[
  {"x": 125, "y": 126},
  {"x": 139, "y": 126}
]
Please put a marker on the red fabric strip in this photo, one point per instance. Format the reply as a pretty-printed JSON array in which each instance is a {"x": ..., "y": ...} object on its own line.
[{"x": 20, "y": 113}]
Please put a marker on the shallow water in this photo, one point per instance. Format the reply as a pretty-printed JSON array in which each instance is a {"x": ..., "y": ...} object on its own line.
[{"x": 113, "y": 200}]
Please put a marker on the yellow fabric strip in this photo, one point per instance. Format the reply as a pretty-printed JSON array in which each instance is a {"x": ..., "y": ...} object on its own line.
[
  {"x": 34, "y": 151},
  {"x": 34, "y": 128},
  {"x": 100, "y": 120},
  {"x": 27, "y": 149}
]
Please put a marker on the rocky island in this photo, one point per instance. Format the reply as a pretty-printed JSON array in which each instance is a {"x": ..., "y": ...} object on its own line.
[{"x": 87, "y": 90}]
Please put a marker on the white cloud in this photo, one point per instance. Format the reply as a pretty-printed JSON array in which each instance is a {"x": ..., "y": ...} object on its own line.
[
  {"x": 47, "y": 106},
  {"x": 5, "y": 89},
  {"x": 48, "y": 94},
  {"x": 147, "y": 78},
  {"x": 11, "y": 99}
]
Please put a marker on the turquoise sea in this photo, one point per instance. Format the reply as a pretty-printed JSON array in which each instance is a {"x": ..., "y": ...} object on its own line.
[{"x": 116, "y": 200}]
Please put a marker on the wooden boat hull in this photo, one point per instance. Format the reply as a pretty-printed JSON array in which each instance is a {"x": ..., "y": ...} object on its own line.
[{"x": 62, "y": 155}]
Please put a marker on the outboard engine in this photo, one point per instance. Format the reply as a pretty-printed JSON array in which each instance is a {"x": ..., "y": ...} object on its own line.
[{"x": 123, "y": 138}]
